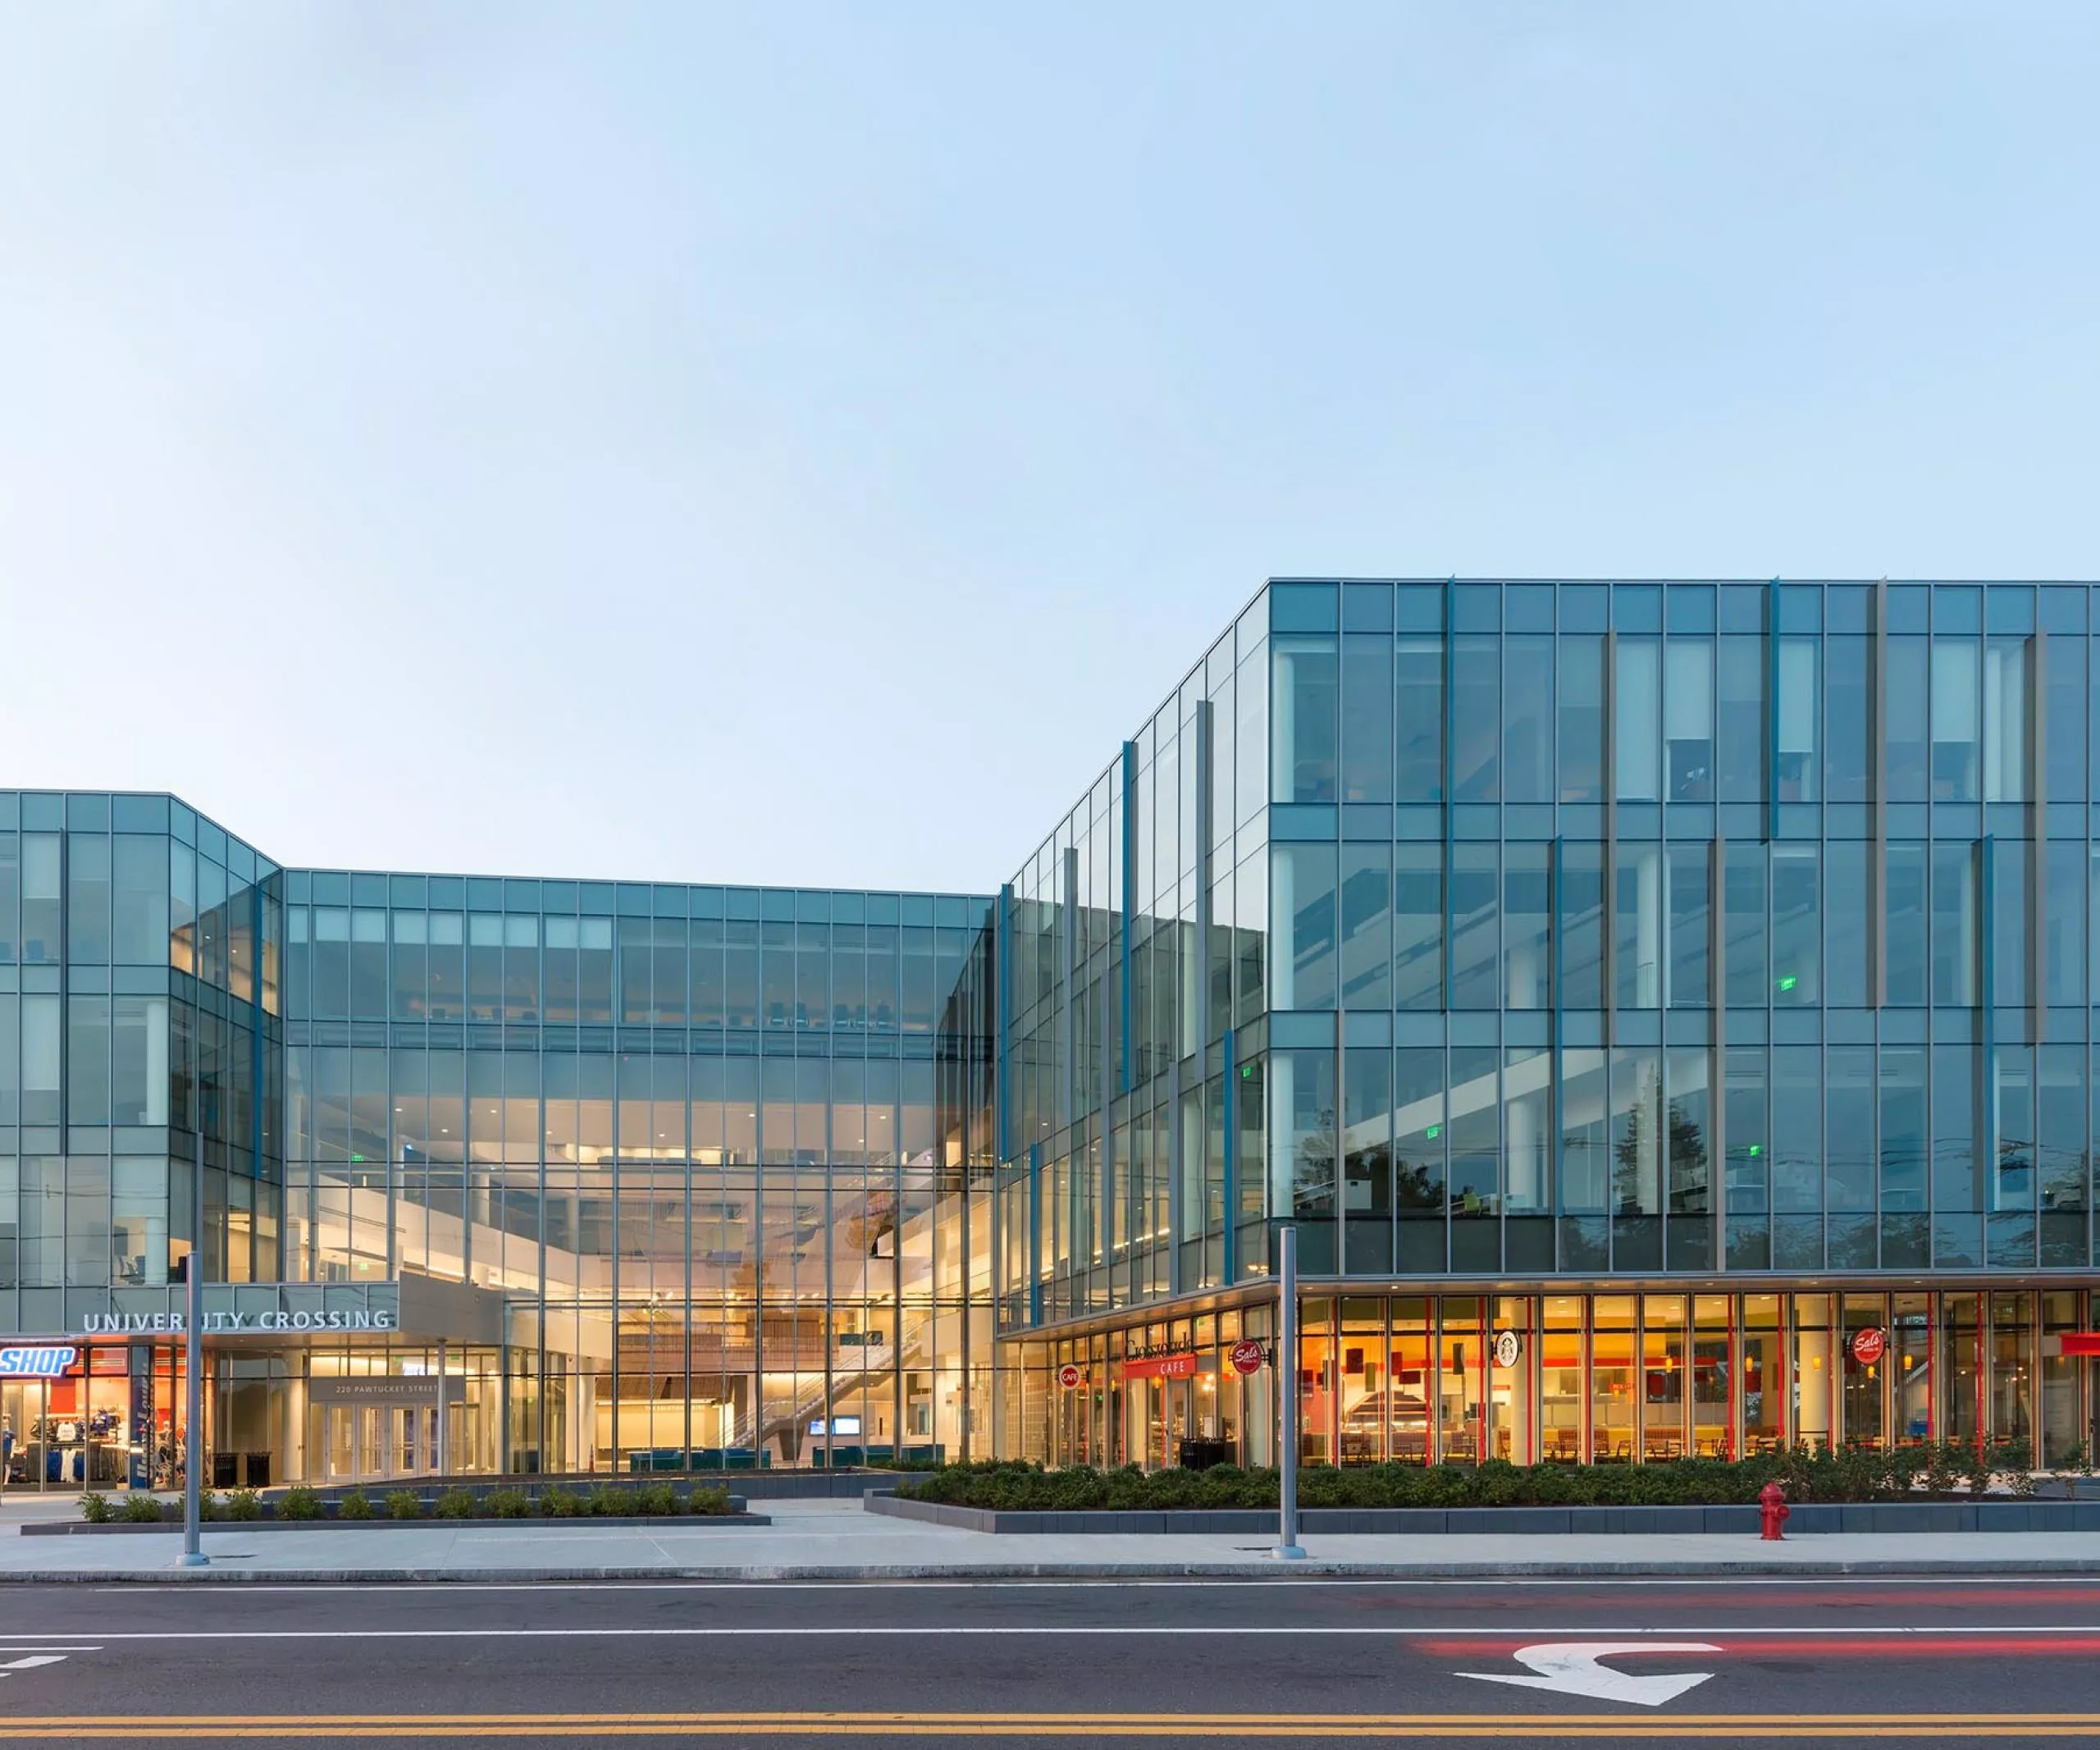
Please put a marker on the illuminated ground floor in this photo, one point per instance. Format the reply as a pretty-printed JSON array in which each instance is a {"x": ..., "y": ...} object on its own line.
[{"x": 1601, "y": 1377}]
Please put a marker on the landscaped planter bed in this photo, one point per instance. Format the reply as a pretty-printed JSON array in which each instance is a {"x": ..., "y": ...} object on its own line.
[
  {"x": 1921, "y": 1515},
  {"x": 303, "y": 1508}
]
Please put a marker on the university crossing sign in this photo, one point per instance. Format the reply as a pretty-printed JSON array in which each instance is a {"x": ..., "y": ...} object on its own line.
[{"x": 245, "y": 1309}]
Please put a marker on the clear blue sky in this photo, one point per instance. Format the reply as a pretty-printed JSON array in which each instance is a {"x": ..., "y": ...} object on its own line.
[{"x": 797, "y": 443}]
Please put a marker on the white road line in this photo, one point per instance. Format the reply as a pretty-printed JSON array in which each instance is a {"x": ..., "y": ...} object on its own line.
[
  {"x": 866, "y": 1631},
  {"x": 1732, "y": 1583}
]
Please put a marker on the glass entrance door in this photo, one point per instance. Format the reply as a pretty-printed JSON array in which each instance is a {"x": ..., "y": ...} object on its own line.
[{"x": 378, "y": 1443}]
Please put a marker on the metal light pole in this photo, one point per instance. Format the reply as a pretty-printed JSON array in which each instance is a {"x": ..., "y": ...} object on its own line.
[
  {"x": 193, "y": 1343},
  {"x": 1288, "y": 1547}
]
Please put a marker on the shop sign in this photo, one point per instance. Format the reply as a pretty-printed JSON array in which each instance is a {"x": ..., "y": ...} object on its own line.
[
  {"x": 2072, "y": 1343},
  {"x": 1508, "y": 1347},
  {"x": 1247, "y": 1357},
  {"x": 1869, "y": 1345},
  {"x": 1070, "y": 1377},
  {"x": 36, "y": 1363},
  {"x": 1181, "y": 1366},
  {"x": 172, "y": 1323}
]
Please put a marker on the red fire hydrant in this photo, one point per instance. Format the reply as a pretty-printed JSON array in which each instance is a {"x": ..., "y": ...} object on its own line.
[{"x": 1773, "y": 1509}]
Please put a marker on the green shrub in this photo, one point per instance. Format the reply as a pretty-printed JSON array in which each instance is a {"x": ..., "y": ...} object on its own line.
[
  {"x": 564, "y": 1504},
  {"x": 94, "y": 1509},
  {"x": 653, "y": 1500},
  {"x": 507, "y": 1504},
  {"x": 143, "y": 1509},
  {"x": 209, "y": 1506},
  {"x": 356, "y": 1505},
  {"x": 1844, "y": 1475},
  {"x": 456, "y": 1503},
  {"x": 244, "y": 1504},
  {"x": 298, "y": 1504},
  {"x": 608, "y": 1502},
  {"x": 404, "y": 1504},
  {"x": 710, "y": 1503}
]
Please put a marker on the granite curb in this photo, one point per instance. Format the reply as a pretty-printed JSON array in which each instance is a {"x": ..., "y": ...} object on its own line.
[
  {"x": 1294, "y": 1573},
  {"x": 683, "y": 1522}
]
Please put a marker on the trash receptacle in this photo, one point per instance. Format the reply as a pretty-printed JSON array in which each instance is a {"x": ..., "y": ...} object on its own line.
[{"x": 1204, "y": 1455}]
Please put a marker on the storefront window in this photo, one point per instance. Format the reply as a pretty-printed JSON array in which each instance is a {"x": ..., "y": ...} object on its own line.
[
  {"x": 1316, "y": 1383},
  {"x": 1764, "y": 1427},
  {"x": 1462, "y": 1366},
  {"x": 1865, "y": 1390},
  {"x": 1811, "y": 1371},
  {"x": 1663, "y": 1376},
  {"x": 1560, "y": 1379},
  {"x": 1712, "y": 1378},
  {"x": 1611, "y": 1379}
]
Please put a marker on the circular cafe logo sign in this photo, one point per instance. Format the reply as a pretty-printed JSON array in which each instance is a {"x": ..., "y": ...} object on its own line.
[
  {"x": 1247, "y": 1357},
  {"x": 1508, "y": 1347},
  {"x": 1869, "y": 1346},
  {"x": 1069, "y": 1377}
]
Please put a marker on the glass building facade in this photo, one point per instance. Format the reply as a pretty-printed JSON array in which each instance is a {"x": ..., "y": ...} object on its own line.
[
  {"x": 1663, "y": 1010},
  {"x": 1630, "y": 991}
]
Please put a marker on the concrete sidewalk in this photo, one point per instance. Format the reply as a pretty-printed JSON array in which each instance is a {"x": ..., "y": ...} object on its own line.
[{"x": 828, "y": 1540}]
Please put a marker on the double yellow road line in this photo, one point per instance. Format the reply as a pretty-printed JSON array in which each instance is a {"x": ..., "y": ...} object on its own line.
[{"x": 105, "y": 1729}]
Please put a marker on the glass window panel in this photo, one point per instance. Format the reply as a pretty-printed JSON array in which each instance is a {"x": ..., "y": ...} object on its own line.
[
  {"x": 1796, "y": 923},
  {"x": 1580, "y": 710},
  {"x": 1367, "y": 1137},
  {"x": 1476, "y": 1108},
  {"x": 1846, "y": 895},
  {"x": 2013, "y": 1177},
  {"x": 1367, "y": 925},
  {"x": 1302, "y": 730},
  {"x": 1528, "y": 731},
  {"x": 2008, "y": 909},
  {"x": 87, "y": 1060},
  {"x": 1418, "y": 1149},
  {"x": 1419, "y": 702},
  {"x": 1740, "y": 721},
  {"x": 1849, "y": 1145},
  {"x": 1799, "y": 696},
  {"x": 1749, "y": 1132},
  {"x": 2004, "y": 720},
  {"x": 40, "y": 909},
  {"x": 1955, "y": 932},
  {"x": 1691, "y": 1129},
  {"x": 1477, "y": 720},
  {"x": 1691, "y": 923},
  {"x": 1958, "y": 1181},
  {"x": 1638, "y": 912},
  {"x": 1581, "y": 926},
  {"x": 1907, "y": 961},
  {"x": 1636, "y": 710},
  {"x": 1688, "y": 719},
  {"x": 1903, "y": 1136},
  {"x": 1476, "y": 949},
  {"x": 1303, "y": 912},
  {"x": 1367, "y": 720},
  {"x": 2065, "y": 737},
  {"x": 1526, "y": 940},
  {"x": 11, "y": 891},
  {"x": 1637, "y": 1132},
  {"x": 1848, "y": 755},
  {"x": 138, "y": 1065},
  {"x": 1909, "y": 740},
  {"x": 1743, "y": 908},
  {"x": 1585, "y": 1154},
  {"x": 2060, "y": 1134},
  {"x": 1527, "y": 1128},
  {"x": 1797, "y": 1127},
  {"x": 87, "y": 918},
  {"x": 1417, "y": 927},
  {"x": 139, "y": 935},
  {"x": 1954, "y": 714}
]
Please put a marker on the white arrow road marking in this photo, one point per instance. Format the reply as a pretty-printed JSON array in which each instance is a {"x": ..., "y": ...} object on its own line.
[
  {"x": 1571, "y": 1668},
  {"x": 32, "y": 1662}
]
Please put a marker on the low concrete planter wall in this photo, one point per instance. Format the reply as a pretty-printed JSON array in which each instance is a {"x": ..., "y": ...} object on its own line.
[
  {"x": 68, "y": 1529},
  {"x": 1735, "y": 1521}
]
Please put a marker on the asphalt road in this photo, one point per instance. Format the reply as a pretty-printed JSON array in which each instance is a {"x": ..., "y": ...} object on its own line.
[{"x": 1959, "y": 1662}]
